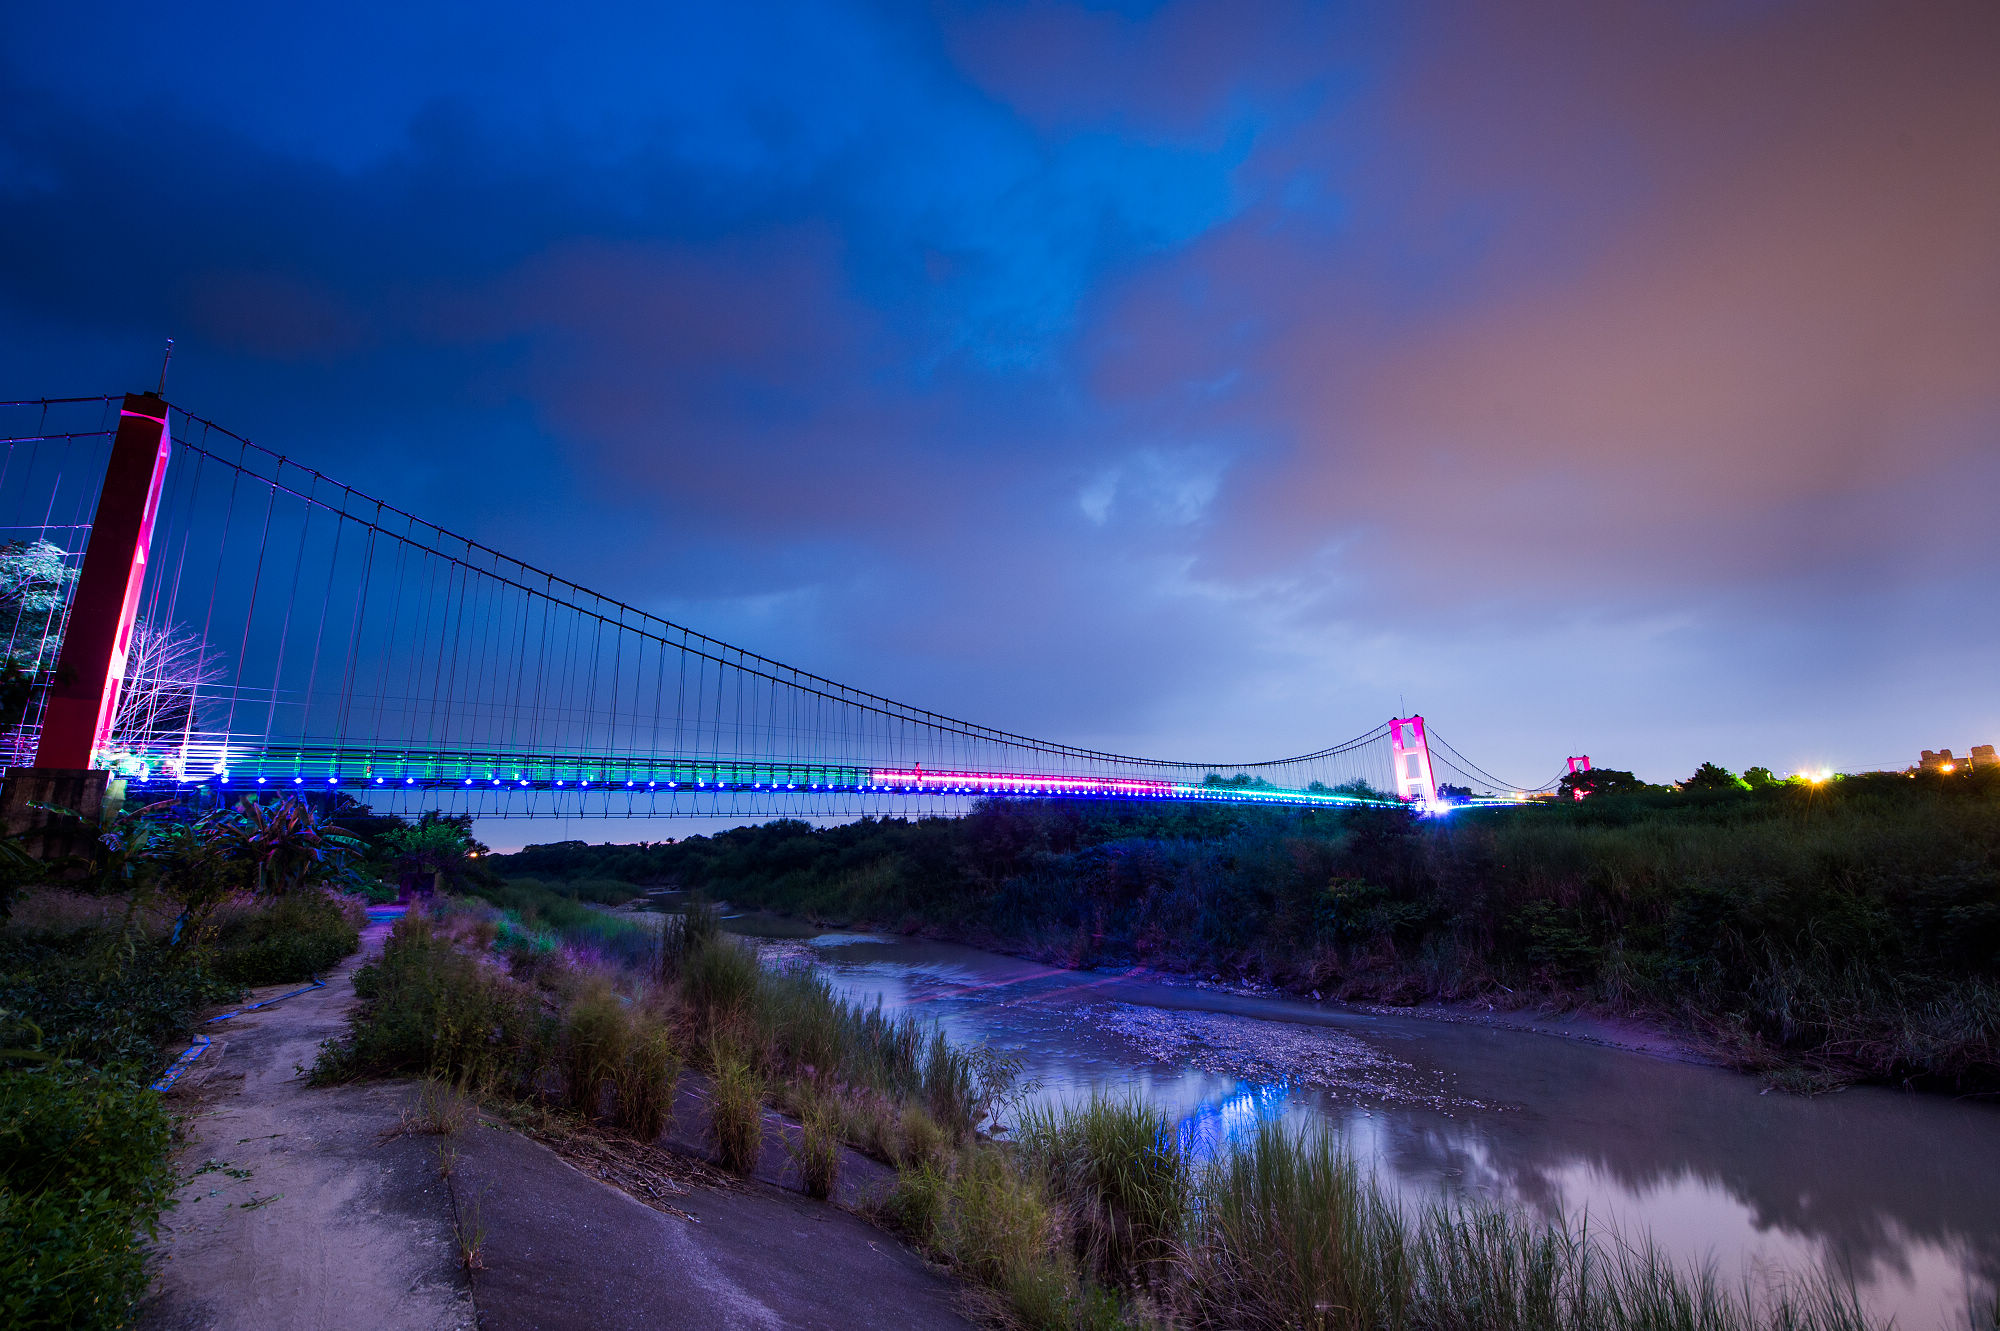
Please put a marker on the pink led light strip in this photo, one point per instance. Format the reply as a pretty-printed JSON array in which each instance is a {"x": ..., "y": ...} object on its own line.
[{"x": 923, "y": 780}]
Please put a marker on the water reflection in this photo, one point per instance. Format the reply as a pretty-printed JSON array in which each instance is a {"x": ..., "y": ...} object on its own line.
[{"x": 1902, "y": 1191}]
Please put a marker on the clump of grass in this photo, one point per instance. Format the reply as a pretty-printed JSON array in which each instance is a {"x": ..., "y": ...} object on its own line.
[
  {"x": 428, "y": 1007},
  {"x": 441, "y": 1110},
  {"x": 920, "y": 1140},
  {"x": 817, "y": 1150},
  {"x": 718, "y": 980},
  {"x": 736, "y": 1110},
  {"x": 697, "y": 927},
  {"x": 1118, "y": 1168},
  {"x": 645, "y": 1079},
  {"x": 595, "y": 1037},
  {"x": 1288, "y": 1232}
]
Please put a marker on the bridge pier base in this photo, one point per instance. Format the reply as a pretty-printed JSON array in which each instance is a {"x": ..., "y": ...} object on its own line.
[{"x": 92, "y": 793}]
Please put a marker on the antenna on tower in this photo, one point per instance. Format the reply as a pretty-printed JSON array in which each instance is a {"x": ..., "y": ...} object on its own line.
[{"x": 163, "y": 367}]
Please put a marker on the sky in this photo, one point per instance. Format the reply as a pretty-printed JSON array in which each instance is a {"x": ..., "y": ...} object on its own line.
[{"x": 1194, "y": 379}]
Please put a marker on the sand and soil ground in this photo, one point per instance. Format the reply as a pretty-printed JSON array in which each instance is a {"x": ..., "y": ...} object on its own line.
[{"x": 316, "y": 1207}]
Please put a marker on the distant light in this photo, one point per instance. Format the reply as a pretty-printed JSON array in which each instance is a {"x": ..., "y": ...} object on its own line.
[
  {"x": 260, "y": 780},
  {"x": 333, "y": 781},
  {"x": 524, "y": 783},
  {"x": 1947, "y": 767},
  {"x": 468, "y": 781},
  {"x": 298, "y": 781},
  {"x": 409, "y": 781},
  {"x": 378, "y": 780}
]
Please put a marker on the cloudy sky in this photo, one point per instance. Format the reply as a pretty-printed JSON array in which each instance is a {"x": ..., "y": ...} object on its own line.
[{"x": 1203, "y": 379}]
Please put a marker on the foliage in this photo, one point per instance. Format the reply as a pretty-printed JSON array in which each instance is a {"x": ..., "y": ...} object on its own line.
[
  {"x": 296, "y": 937},
  {"x": 107, "y": 1003},
  {"x": 35, "y": 582},
  {"x": 289, "y": 844},
  {"x": 1711, "y": 777},
  {"x": 433, "y": 854},
  {"x": 429, "y": 1007},
  {"x": 83, "y": 1177},
  {"x": 1852, "y": 926}
]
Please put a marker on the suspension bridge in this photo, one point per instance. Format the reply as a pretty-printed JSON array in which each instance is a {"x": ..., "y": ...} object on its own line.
[{"x": 187, "y": 610}]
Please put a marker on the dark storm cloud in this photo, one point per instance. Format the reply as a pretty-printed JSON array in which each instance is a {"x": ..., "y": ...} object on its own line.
[{"x": 1193, "y": 377}]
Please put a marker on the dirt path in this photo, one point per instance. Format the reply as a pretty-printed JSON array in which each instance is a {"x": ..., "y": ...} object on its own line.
[
  {"x": 297, "y": 1214},
  {"x": 316, "y": 1212}
]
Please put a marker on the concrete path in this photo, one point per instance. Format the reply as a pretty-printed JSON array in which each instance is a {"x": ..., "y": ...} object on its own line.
[
  {"x": 297, "y": 1215},
  {"x": 318, "y": 1213}
]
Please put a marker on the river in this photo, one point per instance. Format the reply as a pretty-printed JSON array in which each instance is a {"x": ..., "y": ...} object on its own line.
[{"x": 1898, "y": 1189}]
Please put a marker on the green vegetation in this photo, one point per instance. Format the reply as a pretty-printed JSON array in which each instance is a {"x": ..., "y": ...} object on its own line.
[
  {"x": 83, "y": 1171},
  {"x": 1821, "y": 932},
  {"x": 105, "y": 964},
  {"x": 1099, "y": 1219},
  {"x": 598, "y": 1034}
]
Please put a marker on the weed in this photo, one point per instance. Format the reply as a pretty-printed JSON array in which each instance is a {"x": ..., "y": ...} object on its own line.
[{"x": 817, "y": 1150}]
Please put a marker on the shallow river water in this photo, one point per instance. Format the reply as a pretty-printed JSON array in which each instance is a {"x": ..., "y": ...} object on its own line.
[{"x": 1898, "y": 1189}]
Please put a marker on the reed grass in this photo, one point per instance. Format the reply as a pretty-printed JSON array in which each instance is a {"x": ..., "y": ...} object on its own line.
[
  {"x": 596, "y": 1033},
  {"x": 1117, "y": 1167},
  {"x": 646, "y": 1077},
  {"x": 736, "y": 1110},
  {"x": 817, "y": 1150}
]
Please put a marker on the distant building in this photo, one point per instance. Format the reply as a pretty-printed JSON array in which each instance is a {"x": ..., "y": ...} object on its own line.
[{"x": 1982, "y": 756}]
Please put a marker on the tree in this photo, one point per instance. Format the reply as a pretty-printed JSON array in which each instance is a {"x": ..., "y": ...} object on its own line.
[
  {"x": 1760, "y": 778},
  {"x": 1711, "y": 777},
  {"x": 289, "y": 846},
  {"x": 1453, "y": 794},
  {"x": 35, "y": 582},
  {"x": 159, "y": 700},
  {"x": 432, "y": 853},
  {"x": 1600, "y": 781}
]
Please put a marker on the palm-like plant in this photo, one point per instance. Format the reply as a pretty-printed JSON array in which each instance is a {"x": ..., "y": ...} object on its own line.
[{"x": 289, "y": 845}]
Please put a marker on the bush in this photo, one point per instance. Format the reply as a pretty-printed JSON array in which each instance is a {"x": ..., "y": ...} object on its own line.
[
  {"x": 83, "y": 1177},
  {"x": 296, "y": 937},
  {"x": 105, "y": 1004},
  {"x": 427, "y": 1007}
]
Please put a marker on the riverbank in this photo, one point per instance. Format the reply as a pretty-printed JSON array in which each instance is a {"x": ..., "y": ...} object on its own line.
[
  {"x": 1820, "y": 936},
  {"x": 393, "y": 1205}
]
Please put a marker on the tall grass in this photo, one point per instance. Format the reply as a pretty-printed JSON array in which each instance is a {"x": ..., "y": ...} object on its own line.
[
  {"x": 1287, "y": 1231},
  {"x": 1118, "y": 1169},
  {"x": 736, "y": 1109}
]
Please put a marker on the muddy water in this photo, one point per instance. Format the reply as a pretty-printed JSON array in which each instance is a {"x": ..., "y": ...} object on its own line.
[{"x": 1900, "y": 1190}]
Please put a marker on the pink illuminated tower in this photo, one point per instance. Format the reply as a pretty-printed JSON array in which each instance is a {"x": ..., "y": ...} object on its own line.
[
  {"x": 1412, "y": 756},
  {"x": 1579, "y": 763}
]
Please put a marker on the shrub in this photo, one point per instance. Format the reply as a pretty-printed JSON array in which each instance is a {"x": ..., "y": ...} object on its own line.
[
  {"x": 102, "y": 1003},
  {"x": 83, "y": 1176},
  {"x": 427, "y": 1007},
  {"x": 294, "y": 937},
  {"x": 736, "y": 1110}
]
